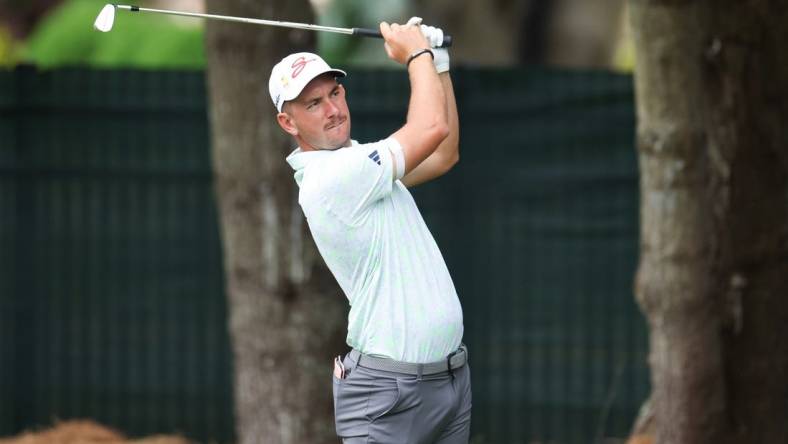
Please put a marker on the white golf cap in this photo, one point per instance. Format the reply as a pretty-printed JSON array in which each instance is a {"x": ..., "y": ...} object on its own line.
[{"x": 291, "y": 75}]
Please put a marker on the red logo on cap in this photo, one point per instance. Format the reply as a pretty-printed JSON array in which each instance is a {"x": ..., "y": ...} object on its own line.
[{"x": 298, "y": 65}]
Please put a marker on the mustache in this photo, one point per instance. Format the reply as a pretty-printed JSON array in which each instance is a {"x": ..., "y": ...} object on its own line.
[{"x": 336, "y": 122}]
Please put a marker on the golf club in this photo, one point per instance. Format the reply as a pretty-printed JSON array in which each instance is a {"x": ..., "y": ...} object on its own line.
[{"x": 106, "y": 19}]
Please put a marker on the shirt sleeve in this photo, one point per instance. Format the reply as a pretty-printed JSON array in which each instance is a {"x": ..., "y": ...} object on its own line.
[{"x": 355, "y": 178}]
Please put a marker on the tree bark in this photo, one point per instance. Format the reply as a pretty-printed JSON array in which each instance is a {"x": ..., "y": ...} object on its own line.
[
  {"x": 712, "y": 88},
  {"x": 286, "y": 315}
]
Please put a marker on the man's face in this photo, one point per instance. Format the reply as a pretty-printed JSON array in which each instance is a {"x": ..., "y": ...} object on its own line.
[{"x": 319, "y": 116}]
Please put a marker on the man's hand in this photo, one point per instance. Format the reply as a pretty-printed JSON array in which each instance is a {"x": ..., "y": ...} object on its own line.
[
  {"x": 402, "y": 40},
  {"x": 434, "y": 36}
]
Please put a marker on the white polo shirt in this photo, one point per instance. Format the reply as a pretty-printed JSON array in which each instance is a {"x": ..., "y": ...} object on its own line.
[{"x": 367, "y": 227}]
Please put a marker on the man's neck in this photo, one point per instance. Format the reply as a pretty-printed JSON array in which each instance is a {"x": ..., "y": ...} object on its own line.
[{"x": 305, "y": 147}]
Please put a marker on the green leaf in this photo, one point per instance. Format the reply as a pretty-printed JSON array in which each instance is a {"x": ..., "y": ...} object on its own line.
[{"x": 137, "y": 40}]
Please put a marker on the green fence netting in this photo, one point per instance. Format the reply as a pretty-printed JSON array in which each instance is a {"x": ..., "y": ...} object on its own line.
[{"x": 111, "y": 295}]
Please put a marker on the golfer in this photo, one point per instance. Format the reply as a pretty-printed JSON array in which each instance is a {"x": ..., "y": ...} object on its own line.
[{"x": 406, "y": 379}]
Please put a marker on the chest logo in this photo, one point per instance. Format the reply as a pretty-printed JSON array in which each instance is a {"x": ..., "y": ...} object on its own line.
[{"x": 375, "y": 157}]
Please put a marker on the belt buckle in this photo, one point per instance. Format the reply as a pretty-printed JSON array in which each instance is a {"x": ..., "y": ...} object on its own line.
[{"x": 448, "y": 362}]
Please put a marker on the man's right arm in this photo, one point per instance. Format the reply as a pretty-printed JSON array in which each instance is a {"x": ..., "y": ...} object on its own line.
[{"x": 427, "y": 120}]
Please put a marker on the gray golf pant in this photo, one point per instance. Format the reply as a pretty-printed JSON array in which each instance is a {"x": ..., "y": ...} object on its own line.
[{"x": 375, "y": 406}]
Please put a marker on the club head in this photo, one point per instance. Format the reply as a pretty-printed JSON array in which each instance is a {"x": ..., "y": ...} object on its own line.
[{"x": 105, "y": 19}]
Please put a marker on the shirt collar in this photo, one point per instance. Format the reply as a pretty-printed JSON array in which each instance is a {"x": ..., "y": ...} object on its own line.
[{"x": 299, "y": 159}]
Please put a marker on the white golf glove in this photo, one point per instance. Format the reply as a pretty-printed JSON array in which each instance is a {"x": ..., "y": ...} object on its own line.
[
  {"x": 434, "y": 37},
  {"x": 441, "y": 55}
]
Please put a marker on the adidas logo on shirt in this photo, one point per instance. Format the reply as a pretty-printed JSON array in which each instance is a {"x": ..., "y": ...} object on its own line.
[{"x": 375, "y": 157}]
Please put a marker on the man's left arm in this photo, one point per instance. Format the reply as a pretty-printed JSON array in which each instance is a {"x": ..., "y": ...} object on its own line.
[{"x": 447, "y": 154}]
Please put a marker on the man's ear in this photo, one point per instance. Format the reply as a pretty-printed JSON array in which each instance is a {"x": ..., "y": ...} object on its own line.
[{"x": 286, "y": 122}]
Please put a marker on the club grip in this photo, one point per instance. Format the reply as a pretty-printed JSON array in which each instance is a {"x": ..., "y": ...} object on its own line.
[{"x": 366, "y": 32}]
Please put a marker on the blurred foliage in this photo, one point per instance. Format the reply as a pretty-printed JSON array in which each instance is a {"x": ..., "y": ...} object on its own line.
[
  {"x": 9, "y": 48},
  {"x": 624, "y": 57},
  {"x": 334, "y": 47},
  {"x": 338, "y": 49},
  {"x": 66, "y": 37}
]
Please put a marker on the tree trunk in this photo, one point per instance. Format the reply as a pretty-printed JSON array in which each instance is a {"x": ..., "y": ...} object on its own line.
[
  {"x": 712, "y": 94},
  {"x": 286, "y": 316}
]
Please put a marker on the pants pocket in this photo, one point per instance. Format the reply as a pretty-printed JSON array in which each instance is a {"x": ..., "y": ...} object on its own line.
[
  {"x": 383, "y": 398},
  {"x": 361, "y": 398},
  {"x": 398, "y": 422}
]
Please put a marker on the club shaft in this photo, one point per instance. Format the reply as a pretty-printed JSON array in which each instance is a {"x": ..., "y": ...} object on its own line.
[
  {"x": 364, "y": 32},
  {"x": 228, "y": 18}
]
